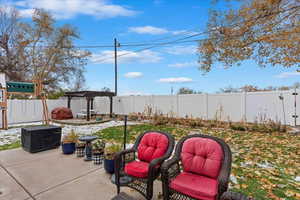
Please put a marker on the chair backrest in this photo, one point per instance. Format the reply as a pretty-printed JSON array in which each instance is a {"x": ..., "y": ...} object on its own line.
[
  {"x": 202, "y": 156},
  {"x": 152, "y": 145}
]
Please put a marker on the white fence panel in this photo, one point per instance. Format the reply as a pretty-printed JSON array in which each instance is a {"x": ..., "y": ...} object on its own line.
[
  {"x": 123, "y": 105},
  {"x": 235, "y": 106},
  {"x": 101, "y": 105},
  {"x": 165, "y": 104},
  {"x": 225, "y": 106},
  {"x": 23, "y": 111},
  {"x": 19, "y": 111},
  {"x": 141, "y": 103},
  {"x": 267, "y": 105},
  {"x": 192, "y": 105}
]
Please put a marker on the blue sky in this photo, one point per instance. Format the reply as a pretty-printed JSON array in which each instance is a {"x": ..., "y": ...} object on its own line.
[{"x": 156, "y": 70}]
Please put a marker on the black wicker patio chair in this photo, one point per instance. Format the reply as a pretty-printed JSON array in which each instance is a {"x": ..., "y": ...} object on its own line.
[
  {"x": 143, "y": 161},
  {"x": 234, "y": 196},
  {"x": 199, "y": 169}
]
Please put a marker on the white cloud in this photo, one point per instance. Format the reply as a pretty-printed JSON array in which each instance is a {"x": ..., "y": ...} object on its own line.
[
  {"x": 287, "y": 74},
  {"x": 185, "y": 32},
  {"x": 158, "y": 31},
  {"x": 182, "y": 65},
  {"x": 133, "y": 75},
  {"x": 107, "y": 57},
  {"x": 148, "y": 30},
  {"x": 175, "y": 80},
  {"x": 66, "y": 9},
  {"x": 181, "y": 50}
]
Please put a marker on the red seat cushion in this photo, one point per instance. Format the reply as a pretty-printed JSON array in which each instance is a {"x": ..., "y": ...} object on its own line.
[
  {"x": 153, "y": 145},
  {"x": 137, "y": 169},
  {"x": 196, "y": 186},
  {"x": 202, "y": 156}
]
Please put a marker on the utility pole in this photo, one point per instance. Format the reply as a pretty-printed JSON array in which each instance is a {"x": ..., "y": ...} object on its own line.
[{"x": 116, "y": 65}]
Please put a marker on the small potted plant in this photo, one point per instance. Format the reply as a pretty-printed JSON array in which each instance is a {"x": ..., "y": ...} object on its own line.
[
  {"x": 109, "y": 154},
  {"x": 68, "y": 142},
  {"x": 98, "y": 151}
]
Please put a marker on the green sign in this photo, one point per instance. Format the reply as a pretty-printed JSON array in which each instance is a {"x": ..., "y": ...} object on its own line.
[{"x": 20, "y": 87}]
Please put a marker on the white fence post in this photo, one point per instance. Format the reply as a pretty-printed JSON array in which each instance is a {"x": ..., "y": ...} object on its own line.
[
  {"x": 244, "y": 107},
  {"x": 206, "y": 105}
]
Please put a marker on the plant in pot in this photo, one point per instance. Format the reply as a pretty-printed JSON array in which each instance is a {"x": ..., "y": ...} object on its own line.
[
  {"x": 98, "y": 151},
  {"x": 68, "y": 142},
  {"x": 109, "y": 154},
  {"x": 98, "y": 146}
]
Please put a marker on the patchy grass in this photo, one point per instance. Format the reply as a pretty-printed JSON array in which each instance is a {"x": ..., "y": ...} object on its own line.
[
  {"x": 265, "y": 165},
  {"x": 115, "y": 134},
  {"x": 13, "y": 145}
]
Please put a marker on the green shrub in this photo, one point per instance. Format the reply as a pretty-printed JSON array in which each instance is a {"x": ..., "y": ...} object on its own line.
[{"x": 238, "y": 127}]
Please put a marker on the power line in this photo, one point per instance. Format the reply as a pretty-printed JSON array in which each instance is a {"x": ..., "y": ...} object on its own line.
[
  {"x": 199, "y": 33},
  {"x": 185, "y": 32},
  {"x": 190, "y": 36},
  {"x": 177, "y": 41},
  {"x": 153, "y": 46}
]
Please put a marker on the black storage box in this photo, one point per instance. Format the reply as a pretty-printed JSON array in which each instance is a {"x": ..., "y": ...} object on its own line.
[{"x": 40, "y": 138}]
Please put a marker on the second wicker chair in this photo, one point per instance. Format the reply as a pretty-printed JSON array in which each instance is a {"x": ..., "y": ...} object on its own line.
[{"x": 200, "y": 169}]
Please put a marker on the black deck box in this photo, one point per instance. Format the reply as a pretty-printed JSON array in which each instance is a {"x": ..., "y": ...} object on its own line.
[{"x": 40, "y": 138}]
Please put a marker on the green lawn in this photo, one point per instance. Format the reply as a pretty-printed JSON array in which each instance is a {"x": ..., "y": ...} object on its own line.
[
  {"x": 13, "y": 145},
  {"x": 265, "y": 165}
]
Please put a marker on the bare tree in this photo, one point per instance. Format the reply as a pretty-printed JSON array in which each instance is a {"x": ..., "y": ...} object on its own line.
[
  {"x": 229, "y": 89},
  {"x": 41, "y": 50},
  {"x": 249, "y": 88},
  {"x": 185, "y": 90},
  {"x": 11, "y": 48}
]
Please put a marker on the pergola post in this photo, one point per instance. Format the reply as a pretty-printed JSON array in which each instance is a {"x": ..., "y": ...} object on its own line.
[
  {"x": 88, "y": 108},
  {"x": 92, "y": 103},
  {"x": 111, "y": 106},
  {"x": 90, "y": 97},
  {"x": 69, "y": 102}
]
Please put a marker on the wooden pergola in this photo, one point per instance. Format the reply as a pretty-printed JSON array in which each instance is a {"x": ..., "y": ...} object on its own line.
[{"x": 90, "y": 95}]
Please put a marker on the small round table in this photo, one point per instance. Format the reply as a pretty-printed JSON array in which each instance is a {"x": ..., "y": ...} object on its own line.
[{"x": 88, "y": 147}]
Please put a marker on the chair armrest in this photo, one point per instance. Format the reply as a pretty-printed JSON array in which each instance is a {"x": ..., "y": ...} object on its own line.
[
  {"x": 156, "y": 162},
  {"x": 234, "y": 196},
  {"x": 170, "y": 169},
  {"x": 155, "y": 165},
  {"x": 121, "y": 154}
]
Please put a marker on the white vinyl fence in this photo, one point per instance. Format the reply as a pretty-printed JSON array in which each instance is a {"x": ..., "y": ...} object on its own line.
[
  {"x": 23, "y": 111},
  {"x": 252, "y": 106},
  {"x": 231, "y": 106}
]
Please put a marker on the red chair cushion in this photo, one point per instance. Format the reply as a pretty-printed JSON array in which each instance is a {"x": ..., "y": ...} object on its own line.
[
  {"x": 137, "y": 169},
  {"x": 196, "y": 186},
  {"x": 202, "y": 156},
  {"x": 153, "y": 145}
]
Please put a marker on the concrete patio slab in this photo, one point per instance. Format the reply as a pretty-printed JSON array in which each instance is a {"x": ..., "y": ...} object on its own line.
[
  {"x": 93, "y": 186},
  {"x": 41, "y": 174},
  {"x": 19, "y": 156},
  {"x": 9, "y": 189},
  {"x": 50, "y": 175},
  {"x": 90, "y": 187}
]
